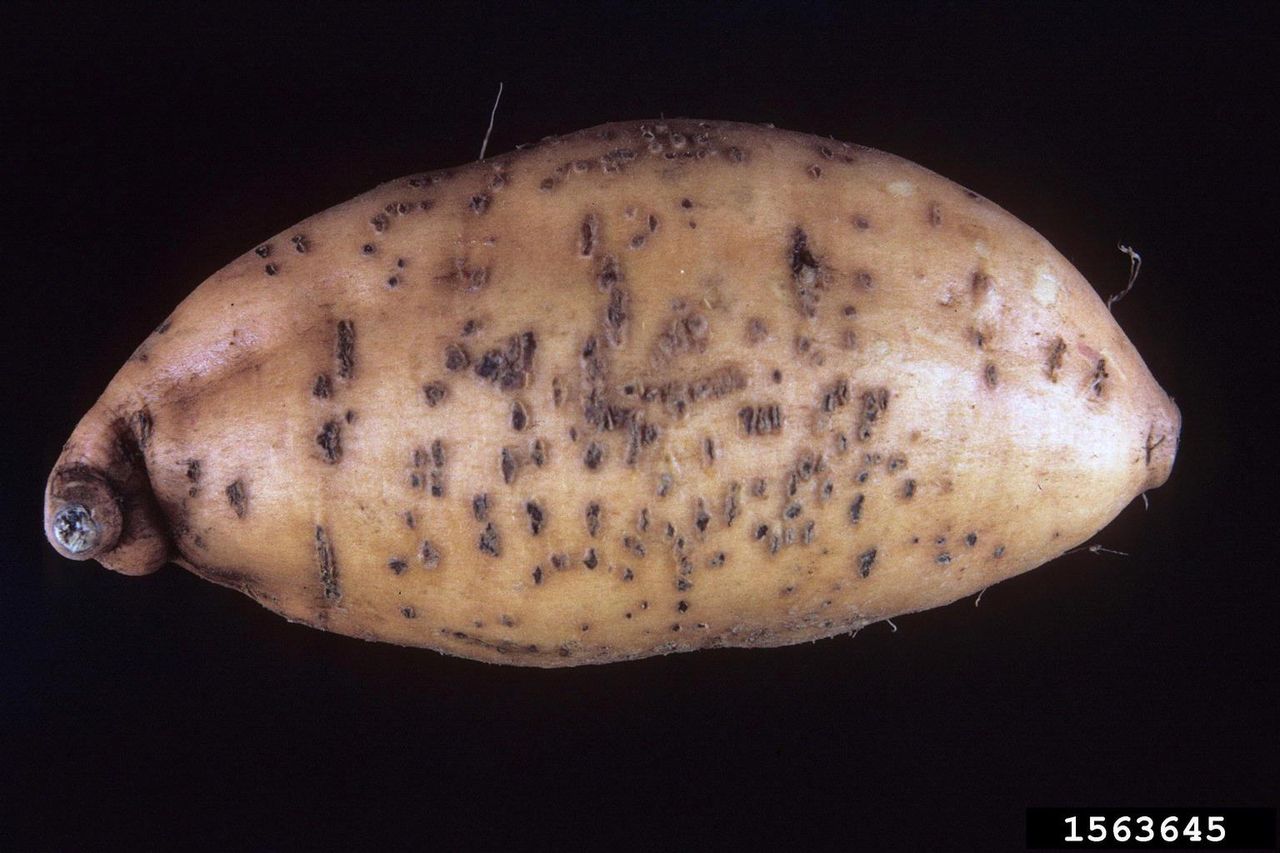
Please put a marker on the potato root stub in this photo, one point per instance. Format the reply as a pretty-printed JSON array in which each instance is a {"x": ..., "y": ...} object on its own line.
[{"x": 645, "y": 388}]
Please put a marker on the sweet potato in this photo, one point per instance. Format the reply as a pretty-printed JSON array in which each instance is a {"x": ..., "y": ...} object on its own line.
[{"x": 649, "y": 387}]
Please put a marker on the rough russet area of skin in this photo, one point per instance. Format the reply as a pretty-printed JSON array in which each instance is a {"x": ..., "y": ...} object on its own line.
[{"x": 646, "y": 388}]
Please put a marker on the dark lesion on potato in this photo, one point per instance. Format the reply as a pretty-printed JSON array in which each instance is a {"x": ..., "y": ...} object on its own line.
[
  {"x": 429, "y": 554},
  {"x": 731, "y": 503},
  {"x": 875, "y": 403},
  {"x": 588, "y": 231},
  {"x": 537, "y": 517},
  {"x": 979, "y": 284},
  {"x": 1097, "y": 382},
  {"x": 489, "y": 542},
  {"x": 806, "y": 272},
  {"x": 866, "y": 560},
  {"x": 1053, "y": 363},
  {"x": 509, "y": 465},
  {"x": 688, "y": 333},
  {"x": 509, "y": 367},
  {"x": 435, "y": 393},
  {"x": 456, "y": 358},
  {"x": 855, "y": 507},
  {"x": 701, "y": 518},
  {"x": 346, "y": 349},
  {"x": 322, "y": 388},
  {"x": 141, "y": 425},
  {"x": 1151, "y": 445},
  {"x": 519, "y": 416},
  {"x": 609, "y": 274},
  {"x": 593, "y": 518},
  {"x": 330, "y": 441},
  {"x": 616, "y": 315},
  {"x": 237, "y": 498},
  {"x": 764, "y": 419},
  {"x": 327, "y": 564}
]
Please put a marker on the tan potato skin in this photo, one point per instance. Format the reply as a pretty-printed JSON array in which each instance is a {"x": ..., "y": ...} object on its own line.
[{"x": 833, "y": 387}]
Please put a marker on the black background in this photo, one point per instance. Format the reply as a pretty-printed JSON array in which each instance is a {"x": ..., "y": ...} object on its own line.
[{"x": 143, "y": 149}]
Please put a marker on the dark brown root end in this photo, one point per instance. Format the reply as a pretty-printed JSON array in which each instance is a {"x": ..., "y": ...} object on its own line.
[
  {"x": 82, "y": 514},
  {"x": 98, "y": 501}
]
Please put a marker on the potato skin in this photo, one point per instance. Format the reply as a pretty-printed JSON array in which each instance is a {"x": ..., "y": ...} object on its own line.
[{"x": 649, "y": 387}]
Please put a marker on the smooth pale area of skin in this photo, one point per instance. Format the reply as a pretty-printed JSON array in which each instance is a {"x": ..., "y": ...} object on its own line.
[{"x": 1012, "y": 462}]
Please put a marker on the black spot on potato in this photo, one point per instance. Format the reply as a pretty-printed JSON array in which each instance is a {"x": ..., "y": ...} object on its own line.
[
  {"x": 330, "y": 440},
  {"x": 763, "y": 419},
  {"x": 326, "y": 564},
  {"x": 1097, "y": 383},
  {"x": 509, "y": 465},
  {"x": 1053, "y": 363},
  {"x": 536, "y": 517},
  {"x": 874, "y": 404},
  {"x": 435, "y": 393},
  {"x": 489, "y": 542},
  {"x": 509, "y": 367},
  {"x": 429, "y": 555},
  {"x": 456, "y": 357},
  {"x": 866, "y": 560},
  {"x": 806, "y": 273},
  {"x": 237, "y": 498}
]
